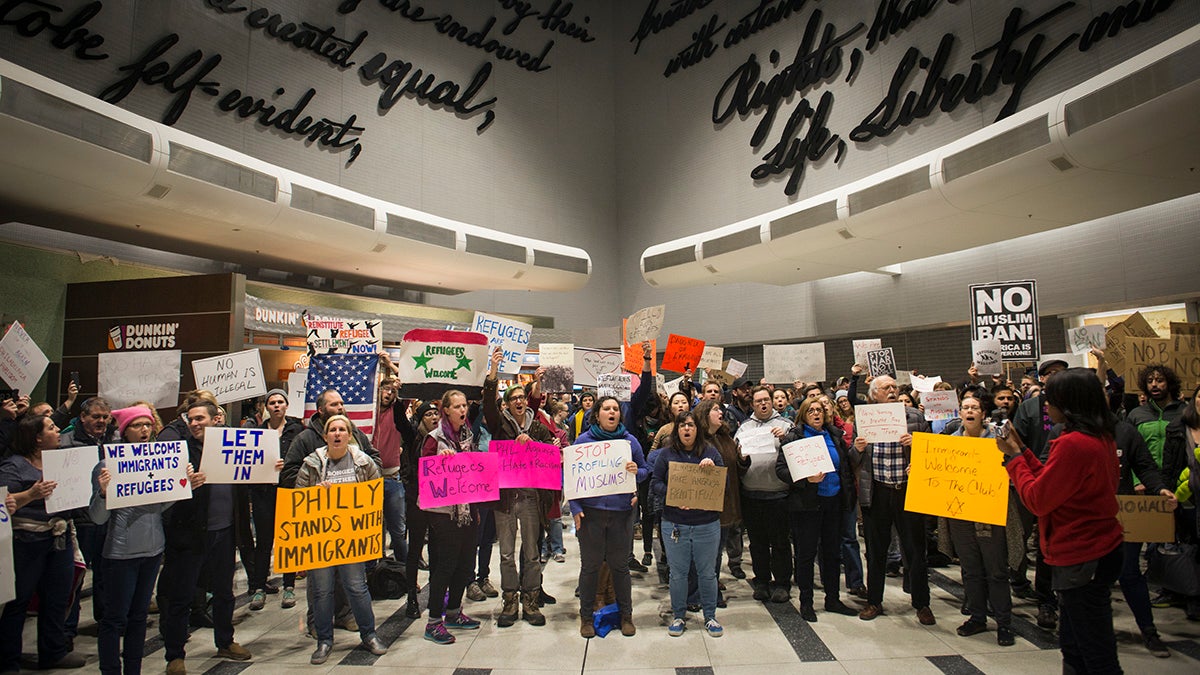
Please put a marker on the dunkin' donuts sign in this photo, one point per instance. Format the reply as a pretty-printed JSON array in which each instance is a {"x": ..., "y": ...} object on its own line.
[{"x": 138, "y": 336}]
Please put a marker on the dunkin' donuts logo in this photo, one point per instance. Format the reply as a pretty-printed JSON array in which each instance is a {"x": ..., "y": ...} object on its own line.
[{"x": 135, "y": 336}]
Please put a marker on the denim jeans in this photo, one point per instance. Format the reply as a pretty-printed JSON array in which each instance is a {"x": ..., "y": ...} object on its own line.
[
  {"x": 851, "y": 555},
  {"x": 128, "y": 585},
  {"x": 40, "y": 568},
  {"x": 354, "y": 582},
  {"x": 394, "y": 517},
  {"x": 552, "y": 543},
  {"x": 694, "y": 547},
  {"x": 523, "y": 515},
  {"x": 1133, "y": 586},
  {"x": 255, "y": 545}
]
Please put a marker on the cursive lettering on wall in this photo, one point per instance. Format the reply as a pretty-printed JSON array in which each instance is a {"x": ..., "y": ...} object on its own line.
[
  {"x": 654, "y": 22},
  {"x": 398, "y": 78},
  {"x": 31, "y": 18},
  {"x": 766, "y": 14}
]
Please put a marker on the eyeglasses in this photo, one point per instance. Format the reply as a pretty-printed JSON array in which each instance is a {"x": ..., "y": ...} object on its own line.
[
  {"x": 518, "y": 397},
  {"x": 683, "y": 425},
  {"x": 140, "y": 425}
]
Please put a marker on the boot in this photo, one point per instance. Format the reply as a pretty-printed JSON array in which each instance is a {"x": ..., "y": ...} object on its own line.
[
  {"x": 587, "y": 627},
  {"x": 508, "y": 613},
  {"x": 529, "y": 608}
]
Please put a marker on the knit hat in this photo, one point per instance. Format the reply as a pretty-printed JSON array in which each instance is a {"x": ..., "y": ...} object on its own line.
[
  {"x": 422, "y": 409},
  {"x": 125, "y": 416},
  {"x": 276, "y": 391},
  {"x": 841, "y": 393}
]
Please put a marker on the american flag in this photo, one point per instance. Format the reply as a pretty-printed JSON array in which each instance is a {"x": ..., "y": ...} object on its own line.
[{"x": 353, "y": 376}]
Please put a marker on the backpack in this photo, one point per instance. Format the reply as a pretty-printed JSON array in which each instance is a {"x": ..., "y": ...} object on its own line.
[{"x": 387, "y": 581}]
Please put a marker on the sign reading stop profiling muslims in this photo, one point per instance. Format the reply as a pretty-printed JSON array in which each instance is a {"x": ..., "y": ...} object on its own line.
[
  {"x": 146, "y": 473},
  {"x": 597, "y": 469},
  {"x": 1007, "y": 311}
]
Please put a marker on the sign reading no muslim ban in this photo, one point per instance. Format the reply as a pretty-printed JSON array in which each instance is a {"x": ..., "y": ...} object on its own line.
[
  {"x": 433, "y": 361},
  {"x": 240, "y": 455},
  {"x": 146, "y": 473},
  {"x": 319, "y": 526},
  {"x": 461, "y": 478},
  {"x": 21, "y": 362},
  {"x": 597, "y": 469},
  {"x": 232, "y": 377},
  {"x": 1007, "y": 311}
]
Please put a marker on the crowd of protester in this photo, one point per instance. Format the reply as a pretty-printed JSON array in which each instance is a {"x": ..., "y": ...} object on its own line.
[{"x": 1071, "y": 437}]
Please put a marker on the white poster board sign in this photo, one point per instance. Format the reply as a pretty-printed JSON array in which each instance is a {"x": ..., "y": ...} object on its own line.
[
  {"x": 940, "y": 405},
  {"x": 671, "y": 387},
  {"x": 71, "y": 468},
  {"x": 1081, "y": 340},
  {"x": 619, "y": 385},
  {"x": 8, "y": 586},
  {"x": 126, "y": 377},
  {"x": 597, "y": 469},
  {"x": 21, "y": 361},
  {"x": 757, "y": 440},
  {"x": 807, "y": 457},
  {"x": 645, "y": 324},
  {"x": 923, "y": 384},
  {"x": 231, "y": 377},
  {"x": 508, "y": 334},
  {"x": 880, "y": 422},
  {"x": 862, "y": 347},
  {"x": 987, "y": 356},
  {"x": 711, "y": 358},
  {"x": 592, "y": 363},
  {"x": 237, "y": 455},
  {"x": 330, "y": 335},
  {"x": 558, "y": 365},
  {"x": 736, "y": 368},
  {"x": 784, "y": 364},
  {"x": 146, "y": 473},
  {"x": 297, "y": 382}
]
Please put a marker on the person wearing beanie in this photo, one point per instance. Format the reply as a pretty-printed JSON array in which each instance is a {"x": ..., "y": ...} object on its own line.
[
  {"x": 412, "y": 436},
  {"x": 255, "y": 544},
  {"x": 140, "y": 418}
]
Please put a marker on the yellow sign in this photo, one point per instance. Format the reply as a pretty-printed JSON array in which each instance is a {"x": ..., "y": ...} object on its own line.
[
  {"x": 958, "y": 477},
  {"x": 319, "y": 527}
]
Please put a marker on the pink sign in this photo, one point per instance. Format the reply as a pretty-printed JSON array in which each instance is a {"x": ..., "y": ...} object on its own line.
[
  {"x": 464, "y": 478},
  {"x": 529, "y": 465}
]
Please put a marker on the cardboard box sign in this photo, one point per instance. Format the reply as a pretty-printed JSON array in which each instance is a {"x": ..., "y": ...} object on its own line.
[
  {"x": 1146, "y": 518},
  {"x": 696, "y": 487}
]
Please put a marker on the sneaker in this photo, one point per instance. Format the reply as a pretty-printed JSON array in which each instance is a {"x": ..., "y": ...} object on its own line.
[
  {"x": 436, "y": 632},
  {"x": 714, "y": 629},
  {"x": 636, "y": 566},
  {"x": 412, "y": 608},
  {"x": 637, "y": 531},
  {"x": 560, "y": 558},
  {"x": 270, "y": 588},
  {"x": 289, "y": 598},
  {"x": 475, "y": 593},
  {"x": 234, "y": 651},
  {"x": 1005, "y": 637},
  {"x": 1164, "y": 599},
  {"x": 676, "y": 628},
  {"x": 543, "y": 558},
  {"x": 488, "y": 589},
  {"x": 648, "y": 559},
  {"x": 461, "y": 621},
  {"x": 258, "y": 600},
  {"x": 321, "y": 655},
  {"x": 1155, "y": 644}
]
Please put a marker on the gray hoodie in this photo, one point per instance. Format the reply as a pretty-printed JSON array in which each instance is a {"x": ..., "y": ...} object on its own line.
[{"x": 760, "y": 480}]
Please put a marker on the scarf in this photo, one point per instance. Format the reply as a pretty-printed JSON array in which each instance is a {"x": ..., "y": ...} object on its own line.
[
  {"x": 601, "y": 435},
  {"x": 460, "y": 514}
]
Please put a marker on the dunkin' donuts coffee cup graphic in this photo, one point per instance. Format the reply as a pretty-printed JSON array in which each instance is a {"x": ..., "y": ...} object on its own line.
[{"x": 114, "y": 338}]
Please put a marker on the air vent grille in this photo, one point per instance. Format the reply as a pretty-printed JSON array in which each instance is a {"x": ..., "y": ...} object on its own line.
[
  {"x": 661, "y": 261},
  {"x": 558, "y": 261},
  {"x": 1169, "y": 74},
  {"x": 49, "y": 112},
  {"x": 307, "y": 199},
  {"x": 804, "y": 220},
  {"x": 418, "y": 231},
  {"x": 893, "y": 189},
  {"x": 495, "y": 249},
  {"x": 1011, "y": 143},
  {"x": 221, "y": 172},
  {"x": 731, "y": 242}
]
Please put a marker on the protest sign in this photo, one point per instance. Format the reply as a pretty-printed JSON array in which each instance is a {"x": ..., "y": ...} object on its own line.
[
  {"x": 940, "y": 405},
  {"x": 592, "y": 363},
  {"x": 1178, "y": 328},
  {"x": 463, "y": 478},
  {"x": 660, "y": 384},
  {"x": 1146, "y": 518},
  {"x": 645, "y": 324},
  {"x": 881, "y": 362},
  {"x": 236, "y": 455},
  {"x": 1081, "y": 340},
  {"x": 757, "y": 440},
  {"x": 735, "y": 368},
  {"x": 697, "y": 487},
  {"x": 433, "y": 361},
  {"x": 903, "y": 377},
  {"x": 558, "y": 364},
  {"x": 528, "y": 465},
  {"x": 987, "y": 356},
  {"x": 8, "y": 586},
  {"x": 1181, "y": 353},
  {"x": 509, "y": 335},
  {"x": 784, "y": 364},
  {"x": 1007, "y": 311},
  {"x": 326, "y": 335},
  {"x": 71, "y": 468},
  {"x": 232, "y": 377},
  {"x": 671, "y": 387},
  {"x": 721, "y": 377},
  {"x": 923, "y": 384},
  {"x": 958, "y": 477},
  {"x": 21, "y": 361},
  {"x": 317, "y": 527},
  {"x": 1115, "y": 340},
  {"x": 880, "y": 422},
  {"x": 619, "y": 385},
  {"x": 633, "y": 355},
  {"x": 597, "y": 469},
  {"x": 863, "y": 347},
  {"x": 808, "y": 457},
  {"x": 125, "y": 377},
  {"x": 297, "y": 380},
  {"x": 146, "y": 473},
  {"x": 682, "y": 353},
  {"x": 711, "y": 358}
]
